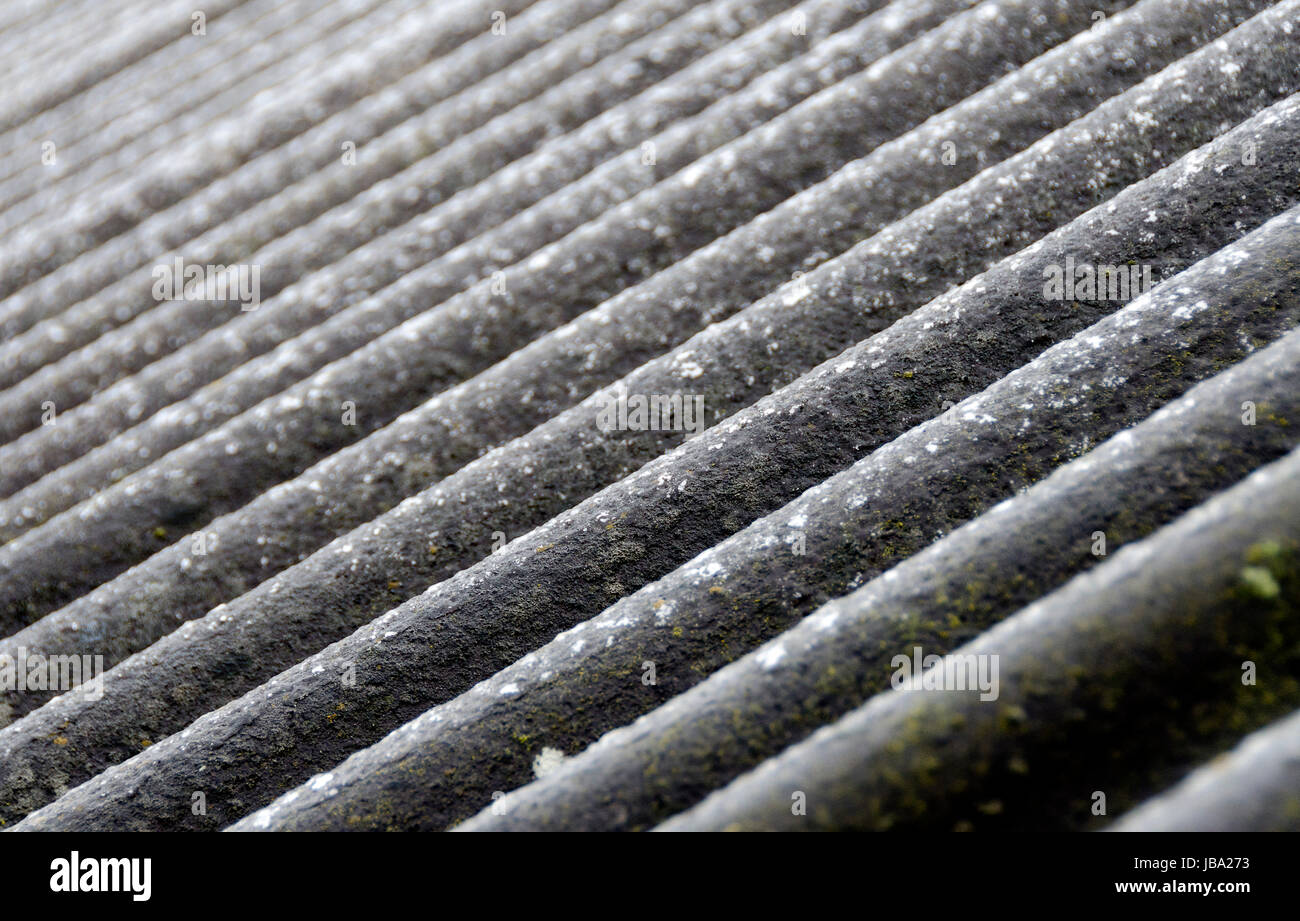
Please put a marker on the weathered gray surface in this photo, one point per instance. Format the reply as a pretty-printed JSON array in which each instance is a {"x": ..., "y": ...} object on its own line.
[
  {"x": 1114, "y": 684},
  {"x": 823, "y": 223},
  {"x": 842, "y": 533},
  {"x": 835, "y": 659},
  {"x": 70, "y": 553},
  {"x": 285, "y": 525},
  {"x": 329, "y": 315},
  {"x": 452, "y": 153},
  {"x": 139, "y": 111},
  {"x": 439, "y": 643},
  {"x": 40, "y": 246},
  {"x": 393, "y": 127}
]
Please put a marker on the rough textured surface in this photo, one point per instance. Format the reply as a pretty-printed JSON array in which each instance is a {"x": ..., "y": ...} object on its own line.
[
  {"x": 977, "y": 319},
  {"x": 439, "y": 643},
  {"x": 224, "y": 469},
  {"x": 106, "y": 131},
  {"x": 40, "y": 246},
  {"x": 392, "y": 128},
  {"x": 833, "y": 538},
  {"x": 385, "y": 205},
  {"x": 287, "y": 523},
  {"x": 347, "y": 320},
  {"x": 1113, "y": 684}
]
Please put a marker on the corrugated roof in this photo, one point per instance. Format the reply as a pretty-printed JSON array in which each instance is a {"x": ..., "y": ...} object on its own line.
[{"x": 823, "y": 415}]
